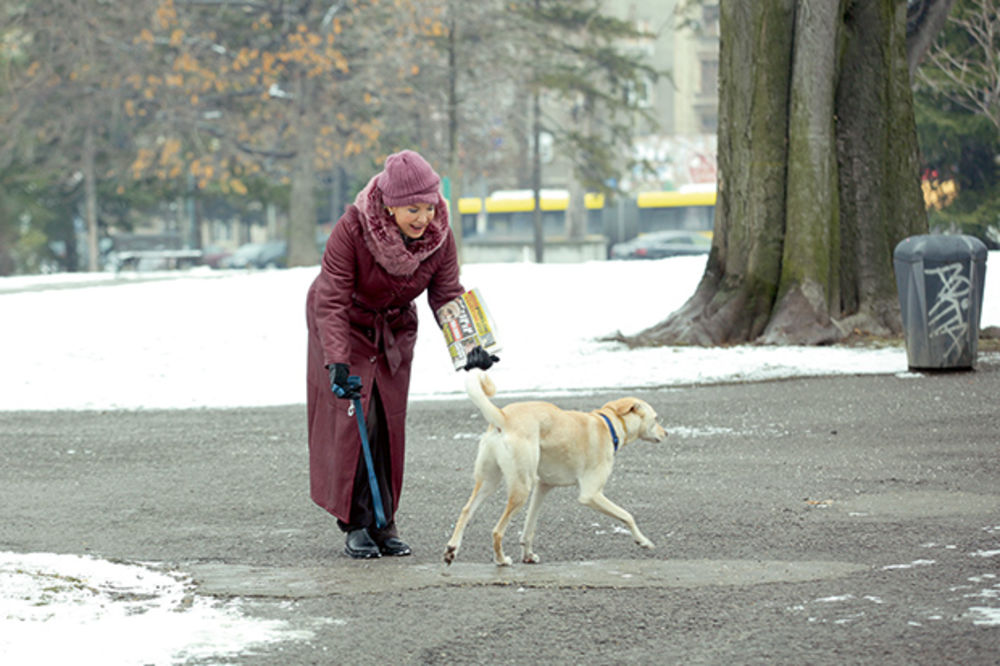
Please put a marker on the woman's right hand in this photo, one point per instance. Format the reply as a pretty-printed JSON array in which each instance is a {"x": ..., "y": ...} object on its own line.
[{"x": 339, "y": 375}]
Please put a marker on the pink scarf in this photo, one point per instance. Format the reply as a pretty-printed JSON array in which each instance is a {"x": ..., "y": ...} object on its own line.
[{"x": 385, "y": 241}]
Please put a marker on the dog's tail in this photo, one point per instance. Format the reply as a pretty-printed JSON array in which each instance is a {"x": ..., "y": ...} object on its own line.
[{"x": 480, "y": 387}]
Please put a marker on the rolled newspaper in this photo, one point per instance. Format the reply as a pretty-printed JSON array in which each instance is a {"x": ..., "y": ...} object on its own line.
[{"x": 466, "y": 323}]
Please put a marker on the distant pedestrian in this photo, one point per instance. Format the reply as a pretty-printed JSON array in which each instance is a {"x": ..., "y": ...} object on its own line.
[{"x": 390, "y": 246}]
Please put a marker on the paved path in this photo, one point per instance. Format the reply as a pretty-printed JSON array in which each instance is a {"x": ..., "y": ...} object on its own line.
[{"x": 825, "y": 521}]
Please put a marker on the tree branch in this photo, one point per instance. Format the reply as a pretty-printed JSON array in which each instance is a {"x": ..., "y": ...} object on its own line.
[
  {"x": 247, "y": 148},
  {"x": 924, "y": 20}
]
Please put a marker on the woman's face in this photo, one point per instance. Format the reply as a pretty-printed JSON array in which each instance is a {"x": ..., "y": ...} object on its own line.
[{"x": 413, "y": 219}]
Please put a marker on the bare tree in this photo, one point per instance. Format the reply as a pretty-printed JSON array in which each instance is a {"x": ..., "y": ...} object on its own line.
[
  {"x": 966, "y": 68},
  {"x": 65, "y": 92},
  {"x": 273, "y": 93},
  {"x": 581, "y": 78}
]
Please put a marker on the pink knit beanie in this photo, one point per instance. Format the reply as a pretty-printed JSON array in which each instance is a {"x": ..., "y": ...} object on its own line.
[{"x": 407, "y": 179}]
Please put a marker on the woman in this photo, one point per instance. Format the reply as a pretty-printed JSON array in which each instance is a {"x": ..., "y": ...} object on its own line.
[{"x": 393, "y": 243}]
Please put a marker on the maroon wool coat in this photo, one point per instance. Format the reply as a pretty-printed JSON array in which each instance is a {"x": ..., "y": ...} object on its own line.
[{"x": 358, "y": 313}]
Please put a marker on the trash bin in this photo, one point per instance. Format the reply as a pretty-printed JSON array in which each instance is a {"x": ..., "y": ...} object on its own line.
[{"x": 940, "y": 280}]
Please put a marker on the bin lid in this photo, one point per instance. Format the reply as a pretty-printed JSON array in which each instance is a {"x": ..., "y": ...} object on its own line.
[{"x": 940, "y": 247}]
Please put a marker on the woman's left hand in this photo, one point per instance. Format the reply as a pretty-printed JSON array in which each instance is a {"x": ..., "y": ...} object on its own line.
[{"x": 480, "y": 358}]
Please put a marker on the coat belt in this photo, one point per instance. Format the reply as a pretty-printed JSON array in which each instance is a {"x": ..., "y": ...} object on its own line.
[
  {"x": 382, "y": 335},
  {"x": 385, "y": 340}
]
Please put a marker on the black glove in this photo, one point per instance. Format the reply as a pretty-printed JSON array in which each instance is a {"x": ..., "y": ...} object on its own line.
[
  {"x": 339, "y": 384},
  {"x": 480, "y": 358}
]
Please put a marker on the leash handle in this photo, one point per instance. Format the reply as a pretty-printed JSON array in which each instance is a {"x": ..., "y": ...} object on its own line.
[
  {"x": 380, "y": 521},
  {"x": 353, "y": 382}
]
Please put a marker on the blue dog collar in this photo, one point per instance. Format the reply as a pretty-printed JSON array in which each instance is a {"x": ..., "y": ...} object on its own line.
[{"x": 614, "y": 435}]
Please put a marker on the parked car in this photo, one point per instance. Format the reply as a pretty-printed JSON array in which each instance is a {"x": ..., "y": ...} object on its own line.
[
  {"x": 147, "y": 252},
  {"x": 214, "y": 255},
  {"x": 272, "y": 254},
  {"x": 662, "y": 244}
]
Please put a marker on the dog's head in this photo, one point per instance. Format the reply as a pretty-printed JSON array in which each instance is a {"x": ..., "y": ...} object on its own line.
[{"x": 641, "y": 421}]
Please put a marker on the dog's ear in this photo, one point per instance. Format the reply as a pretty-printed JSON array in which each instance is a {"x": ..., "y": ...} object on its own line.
[{"x": 626, "y": 406}]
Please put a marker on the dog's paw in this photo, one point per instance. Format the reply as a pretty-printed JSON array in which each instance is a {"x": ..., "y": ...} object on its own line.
[
  {"x": 531, "y": 558},
  {"x": 505, "y": 562},
  {"x": 449, "y": 554},
  {"x": 645, "y": 543}
]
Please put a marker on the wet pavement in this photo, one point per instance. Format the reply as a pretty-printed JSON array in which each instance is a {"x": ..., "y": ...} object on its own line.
[
  {"x": 225, "y": 580},
  {"x": 825, "y": 521}
]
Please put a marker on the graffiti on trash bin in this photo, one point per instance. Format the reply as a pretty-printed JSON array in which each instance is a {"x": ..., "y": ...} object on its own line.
[{"x": 948, "y": 316}]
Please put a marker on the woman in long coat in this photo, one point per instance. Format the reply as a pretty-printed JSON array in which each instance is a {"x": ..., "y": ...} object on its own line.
[{"x": 391, "y": 245}]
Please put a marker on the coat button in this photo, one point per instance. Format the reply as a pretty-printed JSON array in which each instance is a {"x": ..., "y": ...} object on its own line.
[{"x": 372, "y": 359}]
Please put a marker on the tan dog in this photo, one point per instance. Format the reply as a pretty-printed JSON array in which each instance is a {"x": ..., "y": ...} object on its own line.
[{"x": 535, "y": 446}]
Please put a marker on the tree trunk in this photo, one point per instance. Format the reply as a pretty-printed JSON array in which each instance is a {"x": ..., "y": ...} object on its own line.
[
  {"x": 925, "y": 19},
  {"x": 455, "y": 216},
  {"x": 302, "y": 250},
  {"x": 880, "y": 197},
  {"x": 536, "y": 176},
  {"x": 302, "y": 247},
  {"x": 809, "y": 287},
  {"x": 576, "y": 210},
  {"x": 8, "y": 235},
  {"x": 818, "y": 176},
  {"x": 90, "y": 198}
]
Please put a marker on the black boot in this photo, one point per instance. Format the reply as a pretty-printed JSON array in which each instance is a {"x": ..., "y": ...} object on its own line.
[
  {"x": 394, "y": 547},
  {"x": 360, "y": 545},
  {"x": 389, "y": 542}
]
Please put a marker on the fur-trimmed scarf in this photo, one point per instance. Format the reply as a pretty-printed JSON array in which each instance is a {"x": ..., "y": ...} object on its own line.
[{"x": 399, "y": 256}]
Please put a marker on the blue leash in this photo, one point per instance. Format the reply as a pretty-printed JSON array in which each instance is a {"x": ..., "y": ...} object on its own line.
[{"x": 354, "y": 382}]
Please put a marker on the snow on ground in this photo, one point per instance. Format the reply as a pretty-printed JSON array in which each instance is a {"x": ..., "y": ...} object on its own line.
[
  {"x": 221, "y": 339},
  {"x": 68, "y": 609}
]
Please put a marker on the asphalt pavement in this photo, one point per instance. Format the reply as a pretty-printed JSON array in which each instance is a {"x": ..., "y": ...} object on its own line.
[{"x": 833, "y": 520}]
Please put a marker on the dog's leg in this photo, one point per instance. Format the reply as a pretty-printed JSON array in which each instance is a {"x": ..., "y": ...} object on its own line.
[
  {"x": 530, "y": 522},
  {"x": 601, "y": 503},
  {"x": 487, "y": 480},
  {"x": 517, "y": 495},
  {"x": 455, "y": 542}
]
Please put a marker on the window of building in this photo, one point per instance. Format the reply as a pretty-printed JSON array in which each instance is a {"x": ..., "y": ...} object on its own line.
[
  {"x": 710, "y": 20},
  {"x": 709, "y": 76}
]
